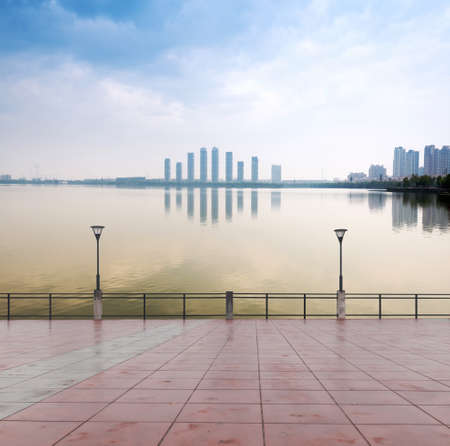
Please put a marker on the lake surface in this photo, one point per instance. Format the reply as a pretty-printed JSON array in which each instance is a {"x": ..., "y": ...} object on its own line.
[{"x": 221, "y": 239}]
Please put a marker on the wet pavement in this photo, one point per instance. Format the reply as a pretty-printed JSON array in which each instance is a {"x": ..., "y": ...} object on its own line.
[{"x": 215, "y": 382}]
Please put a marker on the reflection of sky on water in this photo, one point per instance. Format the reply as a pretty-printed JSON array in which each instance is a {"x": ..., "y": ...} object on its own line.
[{"x": 203, "y": 239}]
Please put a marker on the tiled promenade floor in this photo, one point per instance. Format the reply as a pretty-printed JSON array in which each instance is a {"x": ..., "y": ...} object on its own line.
[{"x": 216, "y": 382}]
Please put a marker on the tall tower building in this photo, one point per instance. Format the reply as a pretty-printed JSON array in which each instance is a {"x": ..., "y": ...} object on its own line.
[
  {"x": 215, "y": 165},
  {"x": 412, "y": 163},
  {"x": 179, "y": 171},
  {"x": 190, "y": 166},
  {"x": 240, "y": 171},
  {"x": 399, "y": 167},
  {"x": 203, "y": 164},
  {"x": 229, "y": 166},
  {"x": 167, "y": 169},
  {"x": 255, "y": 173},
  {"x": 444, "y": 161},
  {"x": 276, "y": 173},
  {"x": 428, "y": 160}
]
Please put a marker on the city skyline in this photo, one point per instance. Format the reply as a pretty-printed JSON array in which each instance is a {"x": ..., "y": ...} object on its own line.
[{"x": 106, "y": 89}]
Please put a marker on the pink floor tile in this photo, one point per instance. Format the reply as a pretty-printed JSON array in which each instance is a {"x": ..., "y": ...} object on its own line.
[
  {"x": 352, "y": 384},
  {"x": 85, "y": 396},
  {"x": 442, "y": 413},
  {"x": 226, "y": 396},
  {"x": 296, "y": 396},
  {"x": 427, "y": 398},
  {"x": 155, "y": 396},
  {"x": 366, "y": 397},
  {"x": 380, "y": 414},
  {"x": 168, "y": 383},
  {"x": 312, "y": 435},
  {"x": 31, "y": 433},
  {"x": 210, "y": 434},
  {"x": 139, "y": 412},
  {"x": 58, "y": 412},
  {"x": 406, "y": 435},
  {"x": 221, "y": 413},
  {"x": 291, "y": 384},
  {"x": 304, "y": 413},
  {"x": 121, "y": 433},
  {"x": 425, "y": 386},
  {"x": 230, "y": 383}
]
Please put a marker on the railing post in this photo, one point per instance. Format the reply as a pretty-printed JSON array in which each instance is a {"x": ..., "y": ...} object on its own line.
[
  {"x": 340, "y": 305},
  {"x": 304, "y": 306},
  {"x": 229, "y": 304},
  {"x": 145, "y": 306},
  {"x": 50, "y": 306},
  {"x": 416, "y": 306},
  {"x": 379, "y": 307},
  {"x": 98, "y": 305},
  {"x": 184, "y": 305},
  {"x": 9, "y": 306},
  {"x": 267, "y": 306}
]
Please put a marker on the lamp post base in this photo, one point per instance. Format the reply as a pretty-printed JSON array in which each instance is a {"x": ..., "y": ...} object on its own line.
[
  {"x": 98, "y": 305},
  {"x": 340, "y": 310}
]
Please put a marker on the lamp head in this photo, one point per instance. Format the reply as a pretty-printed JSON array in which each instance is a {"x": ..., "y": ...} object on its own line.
[
  {"x": 97, "y": 230},
  {"x": 340, "y": 233}
]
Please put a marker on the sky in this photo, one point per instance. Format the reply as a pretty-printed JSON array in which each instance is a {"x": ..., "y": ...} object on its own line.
[{"x": 107, "y": 88}]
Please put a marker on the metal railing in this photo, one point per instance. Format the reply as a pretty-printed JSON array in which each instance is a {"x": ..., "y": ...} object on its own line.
[{"x": 191, "y": 305}]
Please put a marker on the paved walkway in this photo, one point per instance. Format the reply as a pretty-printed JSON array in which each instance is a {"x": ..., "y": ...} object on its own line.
[{"x": 213, "y": 382}]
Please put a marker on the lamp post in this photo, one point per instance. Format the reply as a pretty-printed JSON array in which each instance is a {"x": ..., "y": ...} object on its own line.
[
  {"x": 98, "y": 310},
  {"x": 341, "y": 293}
]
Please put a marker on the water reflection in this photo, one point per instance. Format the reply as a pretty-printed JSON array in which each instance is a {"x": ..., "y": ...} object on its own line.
[
  {"x": 214, "y": 205},
  {"x": 240, "y": 200},
  {"x": 275, "y": 200},
  {"x": 167, "y": 199},
  {"x": 435, "y": 215},
  {"x": 254, "y": 203},
  {"x": 190, "y": 202},
  {"x": 203, "y": 205},
  {"x": 178, "y": 199},
  {"x": 377, "y": 201},
  {"x": 404, "y": 211},
  {"x": 229, "y": 204}
]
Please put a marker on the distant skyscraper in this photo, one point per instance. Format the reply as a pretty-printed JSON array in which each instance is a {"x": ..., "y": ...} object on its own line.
[
  {"x": 167, "y": 169},
  {"x": 215, "y": 165},
  {"x": 399, "y": 167},
  {"x": 190, "y": 166},
  {"x": 377, "y": 172},
  {"x": 276, "y": 173},
  {"x": 229, "y": 166},
  {"x": 444, "y": 160},
  {"x": 203, "y": 164},
  {"x": 428, "y": 160},
  {"x": 412, "y": 163},
  {"x": 240, "y": 171},
  {"x": 179, "y": 171},
  {"x": 255, "y": 174}
]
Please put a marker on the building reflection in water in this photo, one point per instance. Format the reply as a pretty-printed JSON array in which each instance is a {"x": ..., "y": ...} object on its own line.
[
  {"x": 178, "y": 198},
  {"x": 203, "y": 205},
  {"x": 167, "y": 199},
  {"x": 214, "y": 205},
  {"x": 435, "y": 214},
  {"x": 275, "y": 200},
  {"x": 240, "y": 200},
  {"x": 377, "y": 201},
  {"x": 357, "y": 197},
  {"x": 254, "y": 203},
  {"x": 190, "y": 202},
  {"x": 404, "y": 211},
  {"x": 229, "y": 204}
]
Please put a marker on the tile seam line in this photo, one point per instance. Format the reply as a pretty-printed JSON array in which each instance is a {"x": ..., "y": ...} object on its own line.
[
  {"x": 205, "y": 326},
  {"x": 200, "y": 380},
  {"x": 379, "y": 382},
  {"x": 324, "y": 388},
  {"x": 259, "y": 383}
]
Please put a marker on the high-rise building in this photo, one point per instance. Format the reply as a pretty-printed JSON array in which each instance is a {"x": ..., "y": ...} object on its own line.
[
  {"x": 240, "y": 171},
  {"x": 428, "y": 160},
  {"x": 412, "y": 163},
  {"x": 229, "y": 166},
  {"x": 179, "y": 171},
  {"x": 444, "y": 160},
  {"x": 203, "y": 164},
  {"x": 190, "y": 166},
  {"x": 167, "y": 169},
  {"x": 399, "y": 167},
  {"x": 377, "y": 172},
  {"x": 255, "y": 174},
  {"x": 276, "y": 173},
  {"x": 215, "y": 165}
]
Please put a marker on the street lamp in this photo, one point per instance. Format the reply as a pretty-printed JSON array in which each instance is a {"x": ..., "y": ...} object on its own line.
[
  {"x": 340, "y": 235},
  {"x": 97, "y": 230}
]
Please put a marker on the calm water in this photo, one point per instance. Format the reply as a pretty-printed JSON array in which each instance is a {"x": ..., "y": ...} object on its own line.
[{"x": 218, "y": 239}]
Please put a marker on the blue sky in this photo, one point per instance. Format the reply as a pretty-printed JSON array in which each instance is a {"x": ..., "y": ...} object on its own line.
[{"x": 324, "y": 87}]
